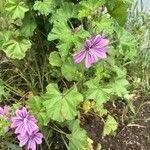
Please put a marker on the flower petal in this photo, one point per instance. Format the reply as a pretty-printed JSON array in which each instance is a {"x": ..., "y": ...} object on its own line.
[
  {"x": 6, "y": 109},
  {"x": 87, "y": 44},
  {"x": 100, "y": 54},
  {"x": 88, "y": 61},
  {"x": 31, "y": 118},
  {"x": 38, "y": 138},
  {"x": 31, "y": 145},
  {"x": 31, "y": 126},
  {"x": 99, "y": 42},
  {"x": 79, "y": 56},
  {"x": 22, "y": 113},
  {"x": 96, "y": 39},
  {"x": 93, "y": 56},
  {"x": 23, "y": 139},
  {"x": 21, "y": 129},
  {"x": 15, "y": 122}
]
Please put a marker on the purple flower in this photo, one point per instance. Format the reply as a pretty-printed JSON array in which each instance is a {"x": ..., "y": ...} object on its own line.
[
  {"x": 4, "y": 111},
  {"x": 31, "y": 140},
  {"x": 93, "y": 50},
  {"x": 23, "y": 122}
]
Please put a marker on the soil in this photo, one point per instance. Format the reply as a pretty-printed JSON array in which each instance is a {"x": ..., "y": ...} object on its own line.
[{"x": 133, "y": 132}]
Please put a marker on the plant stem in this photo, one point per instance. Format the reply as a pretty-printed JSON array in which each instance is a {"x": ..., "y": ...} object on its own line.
[
  {"x": 65, "y": 142},
  {"x": 58, "y": 130}
]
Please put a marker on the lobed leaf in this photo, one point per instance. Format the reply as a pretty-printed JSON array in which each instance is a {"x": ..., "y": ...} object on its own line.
[
  {"x": 78, "y": 137},
  {"x": 16, "y": 9},
  {"x": 118, "y": 10},
  {"x": 100, "y": 94},
  {"x": 45, "y": 7},
  {"x": 62, "y": 106},
  {"x": 111, "y": 126},
  {"x": 16, "y": 49}
]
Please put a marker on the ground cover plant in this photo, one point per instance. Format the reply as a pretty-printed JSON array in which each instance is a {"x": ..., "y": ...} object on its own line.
[{"x": 71, "y": 74}]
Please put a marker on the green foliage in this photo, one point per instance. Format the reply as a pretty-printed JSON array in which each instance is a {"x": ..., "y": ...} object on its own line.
[
  {"x": 39, "y": 39},
  {"x": 63, "y": 33},
  {"x": 45, "y": 7},
  {"x": 4, "y": 124},
  {"x": 118, "y": 10},
  {"x": 27, "y": 28},
  {"x": 119, "y": 87},
  {"x": 3, "y": 92},
  {"x": 128, "y": 44},
  {"x": 98, "y": 92},
  {"x": 62, "y": 106},
  {"x": 69, "y": 70},
  {"x": 55, "y": 59},
  {"x": 78, "y": 137},
  {"x": 105, "y": 24},
  {"x": 67, "y": 11},
  {"x": 16, "y": 9},
  {"x": 16, "y": 49},
  {"x": 110, "y": 126},
  {"x": 35, "y": 105},
  {"x": 90, "y": 7},
  {"x": 12, "y": 146},
  {"x": 4, "y": 37},
  {"x": 66, "y": 37}
]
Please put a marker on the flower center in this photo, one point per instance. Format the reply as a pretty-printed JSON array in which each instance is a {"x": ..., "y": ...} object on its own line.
[{"x": 25, "y": 121}]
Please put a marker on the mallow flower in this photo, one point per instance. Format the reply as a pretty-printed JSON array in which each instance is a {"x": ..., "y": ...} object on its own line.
[
  {"x": 31, "y": 140},
  {"x": 23, "y": 122},
  {"x": 94, "y": 49},
  {"x": 4, "y": 111}
]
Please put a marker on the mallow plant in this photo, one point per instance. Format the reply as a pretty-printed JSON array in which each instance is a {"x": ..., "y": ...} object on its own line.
[{"x": 56, "y": 57}]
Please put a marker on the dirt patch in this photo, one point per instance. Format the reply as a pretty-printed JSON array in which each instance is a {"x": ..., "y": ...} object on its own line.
[{"x": 133, "y": 133}]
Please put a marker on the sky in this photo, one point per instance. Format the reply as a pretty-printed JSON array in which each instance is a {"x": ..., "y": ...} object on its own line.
[{"x": 146, "y": 3}]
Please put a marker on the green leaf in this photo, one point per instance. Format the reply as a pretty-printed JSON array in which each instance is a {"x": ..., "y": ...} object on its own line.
[
  {"x": 4, "y": 37},
  {"x": 3, "y": 92},
  {"x": 45, "y": 7},
  {"x": 54, "y": 59},
  {"x": 16, "y": 49},
  {"x": 28, "y": 26},
  {"x": 111, "y": 126},
  {"x": 79, "y": 36},
  {"x": 120, "y": 87},
  {"x": 62, "y": 32},
  {"x": 67, "y": 11},
  {"x": 12, "y": 146},
  {"x": 78, "y": 137},
  {"x": 62, "y": 106},
  {"x": 66, "y": 37},
  {"x": 35, "y": 105},
  {"x": 69, "y": 70},
  {"x": 102, "y": 111},
  {"x": 120, "y": 71},
  {"x": 118, "y": 10},
  {"x": 89, "y": 7},
  {"x": 2, "y": 5},
  {"x": 16, "y": 9},
  {"x": 105, "y": 24},
  {"x": 100, "y": 94},
  {"x": 128, "y": 44},
  {"x": 4, "y": 125},
  {"x": 129, "y": 2}
]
